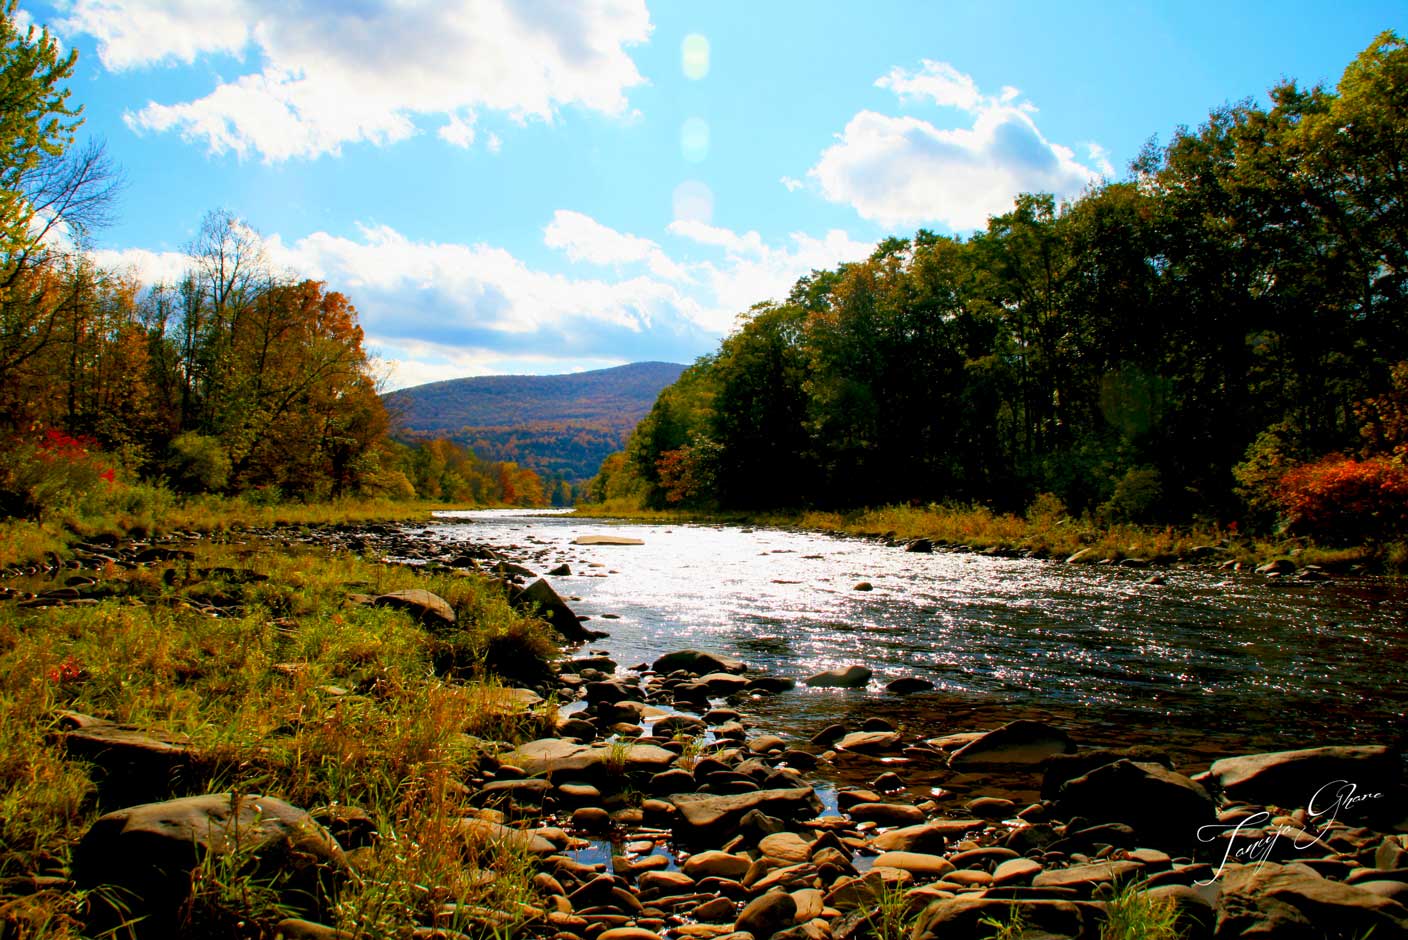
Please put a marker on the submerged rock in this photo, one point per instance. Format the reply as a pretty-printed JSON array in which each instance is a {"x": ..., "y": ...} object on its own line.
[
  {"x": 852, "y": 677},
  {"x": 697, "y": 662},
  {"x": 1020, "y": 742}
]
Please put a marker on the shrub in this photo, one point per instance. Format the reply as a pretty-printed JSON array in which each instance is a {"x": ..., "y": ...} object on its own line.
[
  {"x": 198, "y": 464},
  {"x": 48, "y": 473},
  {"x": 1136, "y": 497},
  {"x": 1339, "y": 499}
]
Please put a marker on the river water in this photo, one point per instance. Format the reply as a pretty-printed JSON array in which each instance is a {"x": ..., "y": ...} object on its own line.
[{"x": 1209, "y": 663}]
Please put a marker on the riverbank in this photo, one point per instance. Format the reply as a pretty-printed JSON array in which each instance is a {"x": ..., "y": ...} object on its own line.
[
  {"x": 229, "y": 682},
  {"x": 1052, "y": 535}
]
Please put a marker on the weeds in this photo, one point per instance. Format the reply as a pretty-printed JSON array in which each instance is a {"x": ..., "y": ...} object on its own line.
[{"x": 1133, "y": 915}]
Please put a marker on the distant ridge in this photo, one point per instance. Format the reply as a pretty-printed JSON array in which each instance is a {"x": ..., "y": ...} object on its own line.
[{"x": 560, "y": 425}]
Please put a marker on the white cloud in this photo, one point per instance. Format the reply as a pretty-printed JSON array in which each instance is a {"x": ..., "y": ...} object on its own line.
[
  {"x": 442, "y": 310},
  {"x": 585, "y": 239},
  {"x": 792, "y": 185},
  {"x": 905, "y": 171},
  {"x": 938, "y": 81},
  {"x": 333, "y": 72}
]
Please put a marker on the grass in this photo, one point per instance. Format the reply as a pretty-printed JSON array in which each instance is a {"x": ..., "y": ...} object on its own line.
[
  {"x": 1130, "y": 914},
  {"x": 295, "y": 692},
  {"x": 1045, "y": 534}
]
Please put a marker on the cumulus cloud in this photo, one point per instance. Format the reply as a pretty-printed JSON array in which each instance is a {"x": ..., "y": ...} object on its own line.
[
  {"x": 333, "y": 72},
  {"x": 443, "y": 310},
  {"x": 904, "y": 171},
  {"x": 585, "y": 239}
]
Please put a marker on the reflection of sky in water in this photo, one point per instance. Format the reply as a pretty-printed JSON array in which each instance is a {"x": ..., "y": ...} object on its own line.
[{"x": 1208, "y": 647}]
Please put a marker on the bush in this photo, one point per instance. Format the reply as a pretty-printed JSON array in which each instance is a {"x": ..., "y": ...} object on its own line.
[
  {"x": 1338, "y": 499},
  {"x": 198, "y": 464},
  {"x": 1136, "y": 498},
  {"x": 1275, "y": 451},
  {"x": 49, "y": 473}
]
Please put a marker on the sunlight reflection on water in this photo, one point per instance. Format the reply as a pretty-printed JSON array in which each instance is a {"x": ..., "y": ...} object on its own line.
[{"x": 1208, "y": 647}]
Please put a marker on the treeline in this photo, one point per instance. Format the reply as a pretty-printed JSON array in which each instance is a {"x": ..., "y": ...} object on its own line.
[
  {"x": 234, "y": 379},
  {"x": 1221, "y": 335}
]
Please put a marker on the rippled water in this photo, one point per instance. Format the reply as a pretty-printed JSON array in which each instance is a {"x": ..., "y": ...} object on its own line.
[{"x": 1208, "y": 663}]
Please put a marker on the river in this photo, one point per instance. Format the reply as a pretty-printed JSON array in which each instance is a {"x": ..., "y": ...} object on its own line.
[{"x": 1207, "y": 664}]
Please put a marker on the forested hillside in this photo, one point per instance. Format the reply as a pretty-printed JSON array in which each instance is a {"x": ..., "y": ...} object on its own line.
[
  {"x": 1220, "y": 335},
  {"x": 561, "y": 426}
]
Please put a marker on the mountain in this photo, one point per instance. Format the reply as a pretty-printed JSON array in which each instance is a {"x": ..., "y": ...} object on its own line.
[{"x": 559, "y": 425}]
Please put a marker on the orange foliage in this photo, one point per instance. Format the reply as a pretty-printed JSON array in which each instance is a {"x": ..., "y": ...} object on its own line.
[{"x": 1342, "y": 499}]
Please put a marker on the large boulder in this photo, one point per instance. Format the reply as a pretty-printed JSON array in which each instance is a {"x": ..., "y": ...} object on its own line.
[
  {"x": 697, "y": 662},
  {"x": 133, "y": 766},
  {"x": 430, "y": 609},
  {"x": 1018, "y": 743},
  {"x": 971, "y": 918},
  {"x": 703, "y": 817},
  {"x": 1293, "y": 778},
  {"x": 852, "y": 677},
  {"x": 1293, "y": 901},
  {"x": 560, "y": 759},
  {"x": 1164, "y": 808},
  {"x": 147, "y": 853},
  {"x": 540, "y": 596}
]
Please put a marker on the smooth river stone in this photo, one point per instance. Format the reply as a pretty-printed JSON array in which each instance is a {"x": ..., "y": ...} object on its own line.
[
  {"x": 785, "y": 847},
  {"x": 715, "y": 863},
  {"x": 916, "y": 863},
  {"x": 606, "y": 540}
]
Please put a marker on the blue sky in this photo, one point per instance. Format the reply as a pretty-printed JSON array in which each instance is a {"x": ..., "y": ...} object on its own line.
[{"x": 555, "y": 185}]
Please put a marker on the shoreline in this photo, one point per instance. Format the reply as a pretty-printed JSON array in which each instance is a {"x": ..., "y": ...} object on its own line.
[{"x": 725, "y": 839}]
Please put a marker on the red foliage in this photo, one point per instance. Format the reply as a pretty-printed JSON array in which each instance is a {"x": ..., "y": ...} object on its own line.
[{"x": 1341, "y": 499}]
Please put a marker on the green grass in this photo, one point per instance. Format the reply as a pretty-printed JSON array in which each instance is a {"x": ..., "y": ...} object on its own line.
[{"x": 299, "y": 693}]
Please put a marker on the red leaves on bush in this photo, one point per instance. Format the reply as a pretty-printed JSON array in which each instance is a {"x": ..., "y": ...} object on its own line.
[{"x": 1341, "y": 499}]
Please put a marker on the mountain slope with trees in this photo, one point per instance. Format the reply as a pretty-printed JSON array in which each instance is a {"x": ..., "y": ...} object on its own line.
[
  {"x": 1223, "y": 335},
  {"x": 561, "y": 426}
]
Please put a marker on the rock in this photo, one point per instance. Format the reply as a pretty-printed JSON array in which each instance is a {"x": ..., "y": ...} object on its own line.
[
  {"x": 696, "y": 662},
  {"x": 431, "y": 610},
  {"x": 887, "y": 814},
  {"x": 591, "y": 819},
  {"x": 1278, "y": 566},
  {"x": 829, "y": 735},
  {"x": 133, "y": 766},
  {"x": 849, "y": 678},
  {"x": 487, "y": 834},
  {"x": 715, "y": 864},
  {"x": 561, "y": 571},
  {"x": 555, "y": 757},
  {"x": 863, "y": 586},
  {"x": 627, "y": 933},
  {"x": 1063, "y": 767},
  {"x": 704, "y": 816},
  {"x": 606, "y": 540},
  {"x": 919, "y": 864},
  {"x": 1084, "y": 556},
  {"x": 927, "y": 837},
  {"x": 1164, "y": 808},
  {"x": 724, "y": 683},
  {"x": 149, "y": 852},
  {"x": 686, "y": 725},
  {"x": 294, "y": 928},
  {"x": 991, "y": 807},
  {"x": 766, "y": 914},
  {"x": 869, "y": 741},
  {"x": 1268, "y": 899},
  {"x": 554, "y": 610},
  {"x": 1020, "y": 742},
  {"x": 786, "y": 847},
  {"x": 923, "y": 546},
  {"x": 966, "y": 918},
  {"x": 1292, "y": 778},
  {"x": 771, "y": 685},
  {"x": 1016, "y": 871},
  {"x": 907, "y": 685},
  {"x": 1085, "y": 878}
]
